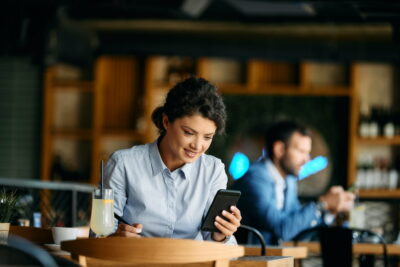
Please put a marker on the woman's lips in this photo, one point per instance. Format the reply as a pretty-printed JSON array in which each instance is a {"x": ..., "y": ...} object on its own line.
[{"x": 190, "y": 153}]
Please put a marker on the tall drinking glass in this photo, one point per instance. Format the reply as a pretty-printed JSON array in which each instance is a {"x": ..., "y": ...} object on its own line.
[{"x": 102, "y": 217}]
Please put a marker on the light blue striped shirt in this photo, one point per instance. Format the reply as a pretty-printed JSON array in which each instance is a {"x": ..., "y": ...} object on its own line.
[{"x": 168, "y": 204}]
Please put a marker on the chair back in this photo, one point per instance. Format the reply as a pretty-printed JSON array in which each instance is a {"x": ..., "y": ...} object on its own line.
[
  {"x": 337, "y": 244},
  {"x": 242, "y": 235},
  {"x": 19, "y": 251},
  {"x": 151, "y": 250}
]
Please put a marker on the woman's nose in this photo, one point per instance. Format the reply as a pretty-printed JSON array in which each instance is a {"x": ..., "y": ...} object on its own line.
[{"x": 195, "y": 144}]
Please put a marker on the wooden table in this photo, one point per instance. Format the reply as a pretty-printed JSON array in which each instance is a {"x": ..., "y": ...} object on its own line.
[
  {"x": 262, "y": 261},
  {"x": 299, "y": 252},
  {"x": 358, "y": 248},
  {"x": 247, "y": 261},
  {"x": 164, "y": 252}
]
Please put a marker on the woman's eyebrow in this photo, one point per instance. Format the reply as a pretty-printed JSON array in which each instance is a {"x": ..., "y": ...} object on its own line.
[{"x": 189, "y": 128}]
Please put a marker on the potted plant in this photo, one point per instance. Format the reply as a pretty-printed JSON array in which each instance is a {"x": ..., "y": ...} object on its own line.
[{"x": 7, "y": 205}]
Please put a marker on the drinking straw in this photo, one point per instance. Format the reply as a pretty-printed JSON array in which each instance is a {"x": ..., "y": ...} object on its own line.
[
  {"x": 119, "y": 218},
  {"x": 101, "y": 178}
]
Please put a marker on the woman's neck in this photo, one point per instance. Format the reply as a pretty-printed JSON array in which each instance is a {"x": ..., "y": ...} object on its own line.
[{"x": 166, "y": 155}]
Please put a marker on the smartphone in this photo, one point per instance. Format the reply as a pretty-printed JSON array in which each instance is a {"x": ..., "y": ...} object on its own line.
[{"x": 223, "y": 200}]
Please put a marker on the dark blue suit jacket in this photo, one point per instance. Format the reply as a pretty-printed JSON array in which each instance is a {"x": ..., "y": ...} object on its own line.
[{"x": 258, "y": 206}]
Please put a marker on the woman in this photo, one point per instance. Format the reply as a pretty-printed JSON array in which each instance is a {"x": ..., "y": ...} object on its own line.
[{"x": 165, "y": 188}]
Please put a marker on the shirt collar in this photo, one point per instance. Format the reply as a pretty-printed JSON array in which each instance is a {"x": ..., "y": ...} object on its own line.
[
  {"x": 187, "y": 170},
  {"x": 155, "y": 159},
  {"x": 274, "y": 173},
  {"x": 158, "y": 165}
]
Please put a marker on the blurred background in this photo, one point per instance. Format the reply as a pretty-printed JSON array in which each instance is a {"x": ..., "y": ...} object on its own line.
[{"x": 79, "y": 79}]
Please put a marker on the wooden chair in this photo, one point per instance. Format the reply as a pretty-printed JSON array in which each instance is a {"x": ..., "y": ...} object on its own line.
[
  {"x": 151, "y": 250},
  {"x": 21, "y": 252}
]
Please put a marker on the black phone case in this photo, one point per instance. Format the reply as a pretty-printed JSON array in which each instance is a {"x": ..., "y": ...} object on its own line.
[{"x": 222, "y": 201}]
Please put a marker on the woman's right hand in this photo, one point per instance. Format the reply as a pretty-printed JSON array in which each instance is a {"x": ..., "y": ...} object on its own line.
[{"x": 126, "y": 230}]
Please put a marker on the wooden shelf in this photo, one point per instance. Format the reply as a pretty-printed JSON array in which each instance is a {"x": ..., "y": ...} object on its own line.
[
  {"x": 283, "y": 90},
  {"x": 163, "y": 85},
  {"x": 81, "y": 86},
  {"x": 123, "y": 134},
  {"x": 84, "y": 134},
  {"x": 379, "y": 140},
  {"x": 328, "y": 91},
  {"x": 380, "y": 193},
  {"x": 111, "y": 101},
  {"x": 233, "y": 88}
]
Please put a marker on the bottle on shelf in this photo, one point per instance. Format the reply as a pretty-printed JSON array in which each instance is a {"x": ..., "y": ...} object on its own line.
[
  {"x": 384, "y": 173},
  {"x": 363, "y": 130},
  {"x": 376, "y": 173},
  {"x": 373, "y": 130},
  {"x": 364, "y": 173},
  {"x": 369, "y": 173},
  {"x": 361, "y": 175},
  {"x": 37, "y": 219},
  {"x": 364, "y": 126},
  {"x": 388, "y": 125},
  {"x": 381, "y": 121},
  {"x": 393, "y": 177}
]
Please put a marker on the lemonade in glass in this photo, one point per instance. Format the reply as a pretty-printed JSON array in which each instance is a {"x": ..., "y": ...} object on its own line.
[{"x": 102, "y": 217}]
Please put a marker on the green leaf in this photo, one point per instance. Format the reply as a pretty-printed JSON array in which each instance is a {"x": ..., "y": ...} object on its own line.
[{"x": 8, "y": 201}]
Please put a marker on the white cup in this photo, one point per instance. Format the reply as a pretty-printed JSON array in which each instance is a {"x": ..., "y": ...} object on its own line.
[{"x": 63, "y": 233}]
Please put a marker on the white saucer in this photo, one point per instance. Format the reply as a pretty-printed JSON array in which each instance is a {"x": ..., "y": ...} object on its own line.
[
  {"x": 53, "y": 247},
  {"x": 56, "y": 249}
]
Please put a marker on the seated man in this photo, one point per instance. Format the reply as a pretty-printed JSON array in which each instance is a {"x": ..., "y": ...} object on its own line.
[{"x": 269, "y": 200}]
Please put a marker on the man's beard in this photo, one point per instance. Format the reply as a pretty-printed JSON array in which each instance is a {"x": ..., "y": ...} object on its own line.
[{"x": 289, "y": 170}]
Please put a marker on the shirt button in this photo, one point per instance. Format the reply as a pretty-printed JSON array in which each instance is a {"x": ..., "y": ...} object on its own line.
[{"x": 313, "y": 223}]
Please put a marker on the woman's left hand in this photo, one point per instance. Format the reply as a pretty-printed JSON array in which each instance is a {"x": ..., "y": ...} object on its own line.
[{"x": 229, "y": 226}]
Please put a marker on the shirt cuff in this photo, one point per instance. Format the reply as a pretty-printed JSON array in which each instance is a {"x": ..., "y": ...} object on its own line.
[
  {"x": 329, "y": 218},
  {"x": 230, "y": 240},
  {"x": 322, "y": 213}
]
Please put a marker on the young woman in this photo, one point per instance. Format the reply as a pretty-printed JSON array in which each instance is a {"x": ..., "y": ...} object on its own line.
[{"x": 165, "y": 188}]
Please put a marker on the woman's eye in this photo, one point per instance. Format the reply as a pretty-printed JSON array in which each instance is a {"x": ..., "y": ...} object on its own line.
[
  {"x": 208, "y": 137},
  {"x": 188, "y": 133}
]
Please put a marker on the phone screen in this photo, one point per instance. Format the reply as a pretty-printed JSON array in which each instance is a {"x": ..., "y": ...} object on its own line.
[{"x": 222, "y": 201}]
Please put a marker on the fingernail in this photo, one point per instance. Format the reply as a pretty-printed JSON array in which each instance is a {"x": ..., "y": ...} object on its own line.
[
  {"x": 224, "y": 212},
  {"x": 138, "y": 230}
]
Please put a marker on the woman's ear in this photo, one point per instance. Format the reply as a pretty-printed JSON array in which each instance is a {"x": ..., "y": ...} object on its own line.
[
  {"x": 278, "y": 149},
  {"x": 165, "y": 121}
]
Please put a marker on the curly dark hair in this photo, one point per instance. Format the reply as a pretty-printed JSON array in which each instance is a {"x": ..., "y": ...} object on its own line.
[{"x": 189, "y": 97}]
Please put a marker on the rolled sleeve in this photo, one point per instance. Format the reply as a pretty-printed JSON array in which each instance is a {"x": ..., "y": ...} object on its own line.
[{"x": 115, "y": 179}]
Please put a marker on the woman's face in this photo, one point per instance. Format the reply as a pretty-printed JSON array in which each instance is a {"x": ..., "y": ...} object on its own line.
[{"x": 186, "y": 139}]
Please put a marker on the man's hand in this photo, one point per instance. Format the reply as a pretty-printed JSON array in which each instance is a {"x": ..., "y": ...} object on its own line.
[
  {"x": 227, "y": 227},
  {"x": 126, "y": 230},
  {"x": 337, "y": 200}
]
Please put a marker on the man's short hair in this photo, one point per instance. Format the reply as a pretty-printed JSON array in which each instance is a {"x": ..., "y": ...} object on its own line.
[{"x": 282, "y": 131}]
